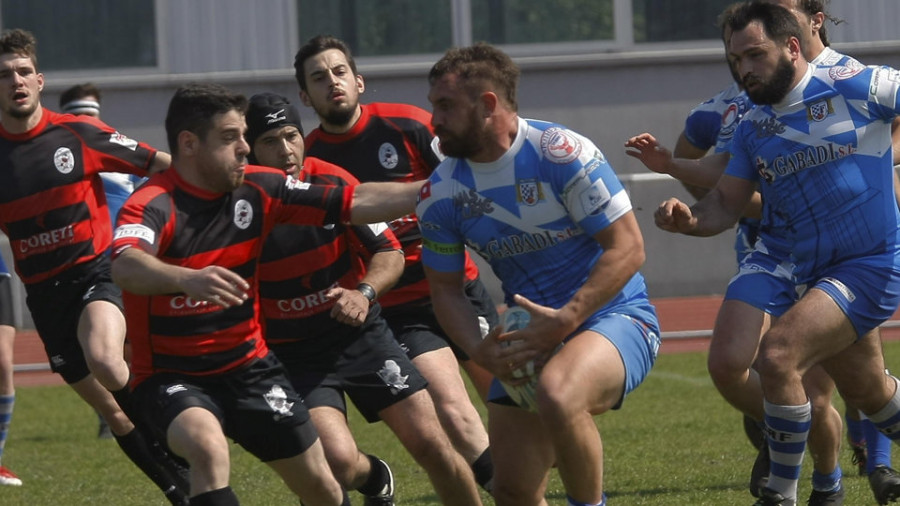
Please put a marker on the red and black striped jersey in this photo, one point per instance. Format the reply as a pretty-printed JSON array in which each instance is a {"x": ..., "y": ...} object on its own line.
[
  {"x": 187, "y": 226},
  {"x": 389, "y": 142},
  {"x": 299, "y": 264},
  {"x": 52, "y": 204}
]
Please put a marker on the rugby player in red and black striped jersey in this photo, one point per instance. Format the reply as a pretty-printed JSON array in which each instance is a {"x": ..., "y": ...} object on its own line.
[
  {"x": 394, "y": 142},
  {"x": 318, "y": 287},
  {"x": 53, "y": 209},
  {"x": 185, "y": 252}
]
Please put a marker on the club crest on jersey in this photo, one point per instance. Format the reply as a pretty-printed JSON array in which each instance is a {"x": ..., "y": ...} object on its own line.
[
  {"x": 820, "y": 110},
  {"x": 123, "y": 140},
  {"x": 529, "y": 191},
  {"x": 243, "y": 214},
  {"x": 559, "y": 145},
  {"x": 842, "y": 72},
  {"x": 733, "y": 115},
  {"x": 64, "y": 160},
  {"x": 388, "y": 156}
]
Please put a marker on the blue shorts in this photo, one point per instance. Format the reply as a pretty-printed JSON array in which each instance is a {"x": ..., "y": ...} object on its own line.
[
  {"x": 867, "y": 289},
  {"x": 632, "y": 329}
]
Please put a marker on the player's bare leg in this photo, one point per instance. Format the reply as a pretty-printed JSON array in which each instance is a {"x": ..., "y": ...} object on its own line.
[{"x": 428, "y": 444}]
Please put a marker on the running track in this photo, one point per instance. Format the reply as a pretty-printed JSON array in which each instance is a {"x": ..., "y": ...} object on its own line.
[{"x": 686, "y": 323}]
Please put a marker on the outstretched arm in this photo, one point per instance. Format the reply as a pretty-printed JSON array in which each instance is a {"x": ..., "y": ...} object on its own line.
[
  {"x": 374, "y": 202},
  {"x": 703, "y": 172},
  {"x": 161, "y": 161},
  {"x": 716, "y": 212},
  {"x": 685, "y": 149}
]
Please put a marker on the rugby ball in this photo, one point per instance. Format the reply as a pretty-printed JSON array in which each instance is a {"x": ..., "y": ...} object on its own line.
[
  {"x": 524, "y": 395},
  {"x": 516, "y": 318}
]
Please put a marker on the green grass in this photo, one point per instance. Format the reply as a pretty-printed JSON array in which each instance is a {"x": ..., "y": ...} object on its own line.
[{"x": 675, "y": 442}]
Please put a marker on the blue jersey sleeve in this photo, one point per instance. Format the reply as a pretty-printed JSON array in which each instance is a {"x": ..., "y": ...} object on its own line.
[
  {"x": 443, "y": 248},
  {"x": 701, "y": 127}
]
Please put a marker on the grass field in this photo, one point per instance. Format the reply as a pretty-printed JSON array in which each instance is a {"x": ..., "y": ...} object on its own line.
[{"x": 674, "y": 442}]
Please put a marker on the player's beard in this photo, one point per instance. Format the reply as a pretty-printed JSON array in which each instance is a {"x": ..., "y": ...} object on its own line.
[
  {"x": 465, "y": 145},
  {"x": 339, "y": 116},
  {"x": 777, "y": 87},
  {"x": 22, "y": 112}
]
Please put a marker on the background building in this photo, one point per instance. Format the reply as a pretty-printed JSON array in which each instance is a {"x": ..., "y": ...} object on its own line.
[{"x": 607, "y": 68}]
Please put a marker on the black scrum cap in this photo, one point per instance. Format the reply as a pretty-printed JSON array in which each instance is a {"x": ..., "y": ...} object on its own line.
[{"x": 267, "y": 111}]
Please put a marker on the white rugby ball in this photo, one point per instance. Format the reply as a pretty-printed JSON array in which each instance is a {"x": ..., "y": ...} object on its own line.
[
  {"x": 516, "y": 318},
  {"x": 525, "y": 395}
]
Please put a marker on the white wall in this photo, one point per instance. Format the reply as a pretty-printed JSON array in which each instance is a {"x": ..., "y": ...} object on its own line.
[{"x": 608, "y": 97}]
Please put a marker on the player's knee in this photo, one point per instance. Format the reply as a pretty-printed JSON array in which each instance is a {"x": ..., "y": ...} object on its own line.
[
  {"x": 346, "y": 465},
  {"x": 775, "y": 362},
  {"x": 559, "y": 401},
  {"x": 726, "y": 366},
  {"x": 514, "y": 493},
  {"x": 431, "y": 449},
  {"x": 205, "y": 451}
]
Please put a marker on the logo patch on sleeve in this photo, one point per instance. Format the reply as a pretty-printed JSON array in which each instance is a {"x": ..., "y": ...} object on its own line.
[
  {"x": 122, "y": 140},
  {"x": 594, "y": 199},
  {"x": 295, "y": 184},
  {"x": 135, "y": 230},
  {"x": 841, "y": 72},
  {"x": 559, "y": 145}
]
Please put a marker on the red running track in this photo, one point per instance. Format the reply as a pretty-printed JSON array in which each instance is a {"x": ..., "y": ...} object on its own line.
[{"x": 685, "y": 322}]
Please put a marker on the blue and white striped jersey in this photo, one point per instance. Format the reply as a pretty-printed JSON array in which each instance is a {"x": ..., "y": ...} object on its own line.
[
  {"x": 531, "y": 214},
  {"x": 822, "y": 158}
]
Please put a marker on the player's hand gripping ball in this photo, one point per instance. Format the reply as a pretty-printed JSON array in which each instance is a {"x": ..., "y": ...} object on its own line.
[
  {"x": 524, "y": 395},
  {"x": 516, "y": 318}
]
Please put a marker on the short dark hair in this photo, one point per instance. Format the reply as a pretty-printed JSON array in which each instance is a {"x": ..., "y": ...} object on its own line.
[
  {"x": 813, "y": 7},
  {"x": 724, "y": 19},
  {"x": 481, "y": 63},
  {"x": 316, "y": 45},
  {"x": 20, "y": 42},
  {"x": 778, "y": 23},
  {"x": 77, "y": 92},
  {"x": 193, "y": 107}
]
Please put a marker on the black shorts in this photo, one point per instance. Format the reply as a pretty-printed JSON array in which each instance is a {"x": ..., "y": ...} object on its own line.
[
  {"x": 7, "y": 314},
  {"x": 364, "y": 362},
  {"x": 56, "y": 307},
  {"x": 255, "y": 404},
  {"x": 418, "y": 331}
]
